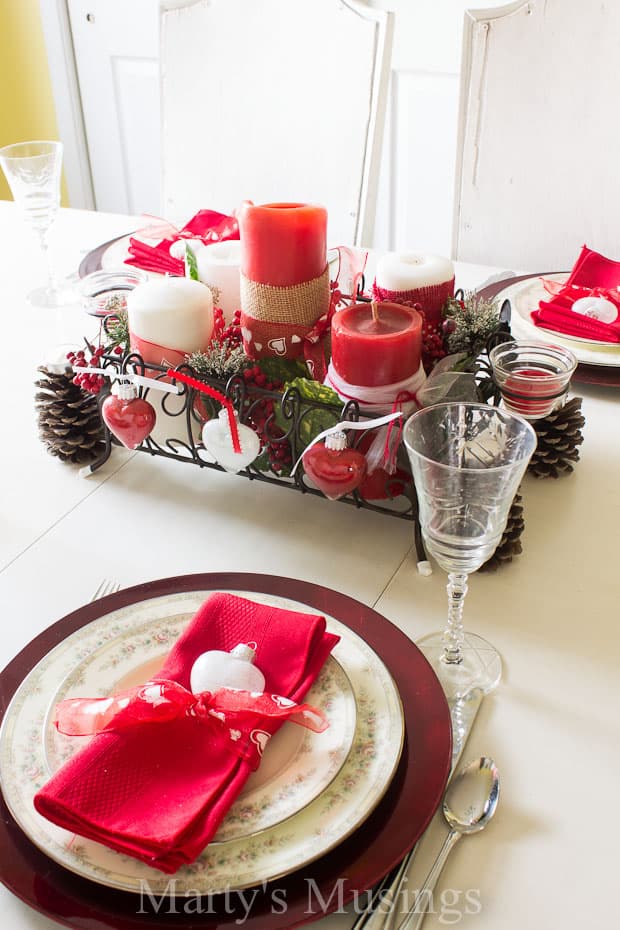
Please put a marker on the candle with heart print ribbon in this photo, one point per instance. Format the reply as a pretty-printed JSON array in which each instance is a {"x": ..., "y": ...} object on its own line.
[{"x": 284, "y": 276}]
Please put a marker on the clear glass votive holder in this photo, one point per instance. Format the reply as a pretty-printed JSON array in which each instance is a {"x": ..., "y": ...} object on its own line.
[
  {"x": 105, "y": 292},
  {"x": 533, "y": 377}
]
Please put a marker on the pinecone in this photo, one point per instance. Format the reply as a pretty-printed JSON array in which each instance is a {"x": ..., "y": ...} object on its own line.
[
  {"x": 510, "y": 543},
  {"x": 559, "y": 435},
  {"x": 69, "y": 420}
]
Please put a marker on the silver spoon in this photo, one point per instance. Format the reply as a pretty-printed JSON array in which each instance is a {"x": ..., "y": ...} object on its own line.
[{"x": 468, "y": 805}]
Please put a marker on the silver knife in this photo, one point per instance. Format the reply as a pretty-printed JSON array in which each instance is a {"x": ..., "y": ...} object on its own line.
[{"x": 380, "y": 914}]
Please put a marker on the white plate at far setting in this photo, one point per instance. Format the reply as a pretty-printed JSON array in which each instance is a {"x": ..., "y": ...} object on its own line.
[{"x": 524, "y": 297}]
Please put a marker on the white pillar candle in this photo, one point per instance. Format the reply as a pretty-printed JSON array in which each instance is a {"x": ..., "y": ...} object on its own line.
[
  {"x": 218, "y": 268},
  {"x": 173, "y": 312},
  {"x": 408, "y": 271}
]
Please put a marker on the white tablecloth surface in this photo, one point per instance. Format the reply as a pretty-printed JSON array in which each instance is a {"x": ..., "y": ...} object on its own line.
[{"x": 549, "y": 858}]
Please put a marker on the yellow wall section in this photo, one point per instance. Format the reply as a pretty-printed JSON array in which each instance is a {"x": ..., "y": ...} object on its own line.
[{"x": 26, "y": 101}]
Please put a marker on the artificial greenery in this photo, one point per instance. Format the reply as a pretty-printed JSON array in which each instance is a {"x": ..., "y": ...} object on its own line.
[{"x": 221, "y": 360}]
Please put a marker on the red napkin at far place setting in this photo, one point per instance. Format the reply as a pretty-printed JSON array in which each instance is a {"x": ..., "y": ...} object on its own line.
[
  {"x": 593, "y": 275},
  {"x": 159, "y": 790},
  {"x": 208, "y": 225}
]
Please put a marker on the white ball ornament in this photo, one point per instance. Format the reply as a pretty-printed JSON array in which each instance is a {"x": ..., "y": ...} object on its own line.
[
  {"x": 218, "y": 669},
  {"x": 217, "y": 440},
  {"x": 177, "y": 249},
  {"x": 597, "y": 308}
]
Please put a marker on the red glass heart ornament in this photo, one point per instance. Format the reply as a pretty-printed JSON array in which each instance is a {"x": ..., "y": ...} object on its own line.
[
  {"x": 128, "y": 417},
  {"x": 335, "y": 469}
]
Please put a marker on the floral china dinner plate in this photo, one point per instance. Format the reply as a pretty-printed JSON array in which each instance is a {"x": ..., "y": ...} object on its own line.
[
  {"x": 117, "y": 649},
  {"x": 297, "y": 765}
]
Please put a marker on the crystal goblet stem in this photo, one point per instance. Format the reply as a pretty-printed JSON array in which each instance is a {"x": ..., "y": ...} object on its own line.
[{"x": 454, "y": 635}]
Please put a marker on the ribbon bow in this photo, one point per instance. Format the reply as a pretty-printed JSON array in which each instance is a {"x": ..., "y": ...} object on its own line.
[
  {"x": 207, "y": 225},
  {"x": 160, "y": 701}
]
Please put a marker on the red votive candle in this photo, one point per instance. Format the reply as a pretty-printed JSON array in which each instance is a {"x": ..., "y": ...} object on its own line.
[
  {"x": 373, "y": 350},
  {"x": 532, "y": 376},
  {"x": 282, "y": 243}
]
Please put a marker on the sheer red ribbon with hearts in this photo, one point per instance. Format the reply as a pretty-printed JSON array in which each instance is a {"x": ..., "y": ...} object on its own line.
[{"x": 229, "y": 711}]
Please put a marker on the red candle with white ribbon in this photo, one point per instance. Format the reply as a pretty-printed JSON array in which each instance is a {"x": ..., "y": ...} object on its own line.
[{"x": 376, "y": 344}]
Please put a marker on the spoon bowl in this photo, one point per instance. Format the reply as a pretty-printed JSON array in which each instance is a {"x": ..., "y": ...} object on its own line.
[
  {"x": 468, "y": 805},
  {"x": 472, "y": 797}
]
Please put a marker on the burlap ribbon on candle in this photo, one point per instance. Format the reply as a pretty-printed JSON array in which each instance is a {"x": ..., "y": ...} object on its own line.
[
  {"x": 275, "y": 321},
  {"x": 430, "y": 299},
  {"x": 295, "y": 304}
]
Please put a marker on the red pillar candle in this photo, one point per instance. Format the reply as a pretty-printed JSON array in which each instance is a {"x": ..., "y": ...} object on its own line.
[
  {"x": 373, "y": 349},
  {"x": 282, "y": 243}
]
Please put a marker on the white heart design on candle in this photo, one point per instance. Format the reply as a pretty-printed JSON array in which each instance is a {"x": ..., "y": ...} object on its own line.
[
  {"x": 295, "y": 338},
  {"x": 277, "y": 345}
]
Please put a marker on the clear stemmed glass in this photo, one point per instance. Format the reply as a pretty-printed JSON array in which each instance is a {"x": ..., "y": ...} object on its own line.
[
  {"x": 467, "y": 462},
  {"x": 33, "y": 172}
]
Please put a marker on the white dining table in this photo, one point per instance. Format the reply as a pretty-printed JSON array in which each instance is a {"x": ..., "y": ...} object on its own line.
[{"x": 549, "y": 858}]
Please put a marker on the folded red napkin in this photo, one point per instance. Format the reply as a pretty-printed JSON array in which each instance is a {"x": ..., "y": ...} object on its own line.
[
  {"x": 158, "y": 791},
  {"x": 593, "y": 276},
  {"x": 208, "y": 225}
]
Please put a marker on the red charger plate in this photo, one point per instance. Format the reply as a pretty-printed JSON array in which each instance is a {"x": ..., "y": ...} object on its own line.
[{"x": 303, "y": 896}]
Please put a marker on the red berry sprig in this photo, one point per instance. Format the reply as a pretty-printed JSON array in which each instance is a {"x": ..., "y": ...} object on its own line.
[
  {"x": 90, "y": 383},
  {"x": 261, "y": 419},
  {"x": 223, "y": 332},
  {"x": 432, "y": 345}
]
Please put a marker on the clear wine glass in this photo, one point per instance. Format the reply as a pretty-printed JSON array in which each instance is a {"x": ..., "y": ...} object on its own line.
[
  {"x": 33, "y": 172},
  {"x": 467, "y": 462}
]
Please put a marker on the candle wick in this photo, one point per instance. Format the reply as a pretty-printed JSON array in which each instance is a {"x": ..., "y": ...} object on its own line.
[{"x": 374, "y": 309}]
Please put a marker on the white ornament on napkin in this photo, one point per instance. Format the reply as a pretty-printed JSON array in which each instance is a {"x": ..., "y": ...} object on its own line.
[{"x": 235, "y": 670}]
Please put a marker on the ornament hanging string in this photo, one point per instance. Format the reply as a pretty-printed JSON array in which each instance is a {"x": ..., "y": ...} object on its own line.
[
  {"x": 348, "y": 424},
  {"x": 216, "y": 395},
  {"x": 131, "y": 377}
]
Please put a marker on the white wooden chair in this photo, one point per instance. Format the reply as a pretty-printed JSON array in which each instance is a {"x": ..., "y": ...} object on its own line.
[
  {"x": 538, "y": 164},
  {"x": 274, "y": 101}
]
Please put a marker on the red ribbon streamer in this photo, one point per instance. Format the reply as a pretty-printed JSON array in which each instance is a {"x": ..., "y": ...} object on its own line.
[
  {"x": 162, "y": 701},
  {"x": 216, "y": 395}
]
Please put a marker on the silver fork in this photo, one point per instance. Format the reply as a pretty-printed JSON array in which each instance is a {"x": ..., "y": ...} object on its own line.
[{"x": 105, "y": 587}]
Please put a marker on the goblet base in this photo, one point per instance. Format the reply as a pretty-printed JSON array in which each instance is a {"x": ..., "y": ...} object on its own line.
[{"x": 480, "y": 666}]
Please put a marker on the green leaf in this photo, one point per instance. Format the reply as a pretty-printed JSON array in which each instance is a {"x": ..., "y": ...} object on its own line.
[
  {"x": 282, "y": 369},
  {"x": 313, "y": 420},
  {"x": 191, "y": 265}
]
